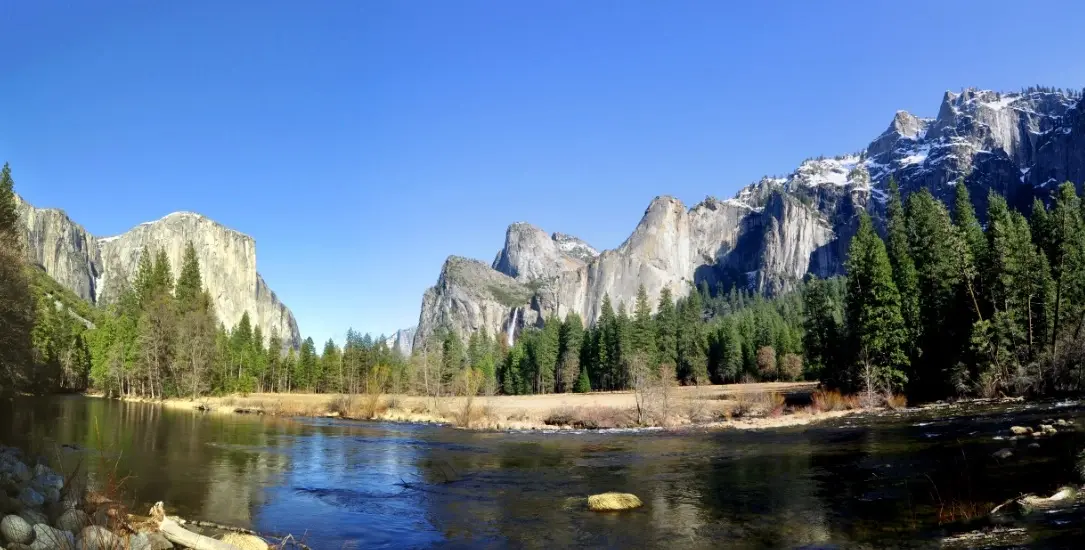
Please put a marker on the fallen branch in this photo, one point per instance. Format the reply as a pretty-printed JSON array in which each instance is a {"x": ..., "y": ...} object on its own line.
[{"x": 183, "y": 537}]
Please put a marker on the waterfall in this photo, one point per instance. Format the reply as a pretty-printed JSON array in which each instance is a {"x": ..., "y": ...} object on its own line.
[{"x": 514, "y": 316}]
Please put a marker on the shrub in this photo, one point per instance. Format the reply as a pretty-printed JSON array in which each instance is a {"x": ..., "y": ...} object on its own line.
[
  {"x": 831, "y": 400},
  {"x": 895, "y": 401},
  {"x": 791, "y": 367},
  {"x": 766, "y": 362}
]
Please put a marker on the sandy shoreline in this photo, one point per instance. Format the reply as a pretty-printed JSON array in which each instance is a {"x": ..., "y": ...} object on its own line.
[{"x": 734, "y": 406}]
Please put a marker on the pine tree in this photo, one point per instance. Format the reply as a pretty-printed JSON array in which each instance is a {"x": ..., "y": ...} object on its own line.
[
  {"x": 1065, "y": 253},
  {"x": 189, "y": 289},
  {"x": 162, "y": 276},
  {"x": 308, "y": 371},
  {"x": 972, "y": 253},
  {"x": 822, "y": 335},
  {"x": 904, "y": 272},
  {"x": 603, "y": 339},
  {"x": 667, "y": 328},
  {"x": 692, "y": 362},
  {"x": 144, "y": 283},
  {"x": 875, "y": 324},
  {"x": 9, "y": 217},
  {"x": 570, "y": 341},
  {"x": 643, "y": 332},
  {"x": 944, "y": 327}
]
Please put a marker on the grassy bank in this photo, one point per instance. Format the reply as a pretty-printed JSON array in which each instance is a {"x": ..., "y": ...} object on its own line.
[{"x": 742, "y": 406}]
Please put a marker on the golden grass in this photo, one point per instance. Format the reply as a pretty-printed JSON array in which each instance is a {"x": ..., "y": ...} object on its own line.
[
  {"x": 832, "y": 400},
  {"x": 613, "y": 502}
]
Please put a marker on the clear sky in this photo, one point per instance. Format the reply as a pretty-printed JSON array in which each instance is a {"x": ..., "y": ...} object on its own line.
[{"x": 360, "y": 142}]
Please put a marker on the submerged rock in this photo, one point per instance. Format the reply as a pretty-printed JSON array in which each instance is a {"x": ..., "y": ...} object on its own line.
[
  {"x": 16, "y": 529},
  {"x": 73, "y": 520},
  {"x": 1002, "y": 454},
  {"x": 51, "y": 538},
  {"x": 607, "y": 502},
  {"x": 98, "y": 538},
  {"x": 245, "y": 542}
]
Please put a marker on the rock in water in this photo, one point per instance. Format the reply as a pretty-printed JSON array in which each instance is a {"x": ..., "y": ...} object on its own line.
[
  {"x": 245, "y": 542},
  {"x": 98, "y": 538},
  {"x": 51, "y": 538},
  {"x": 73, "y": 520},
  {"x": 1002, "y": 454},
  {"x": 610, "y": 502},
  {"x": 1020, "y": 430},
  {"x": 16, "y": 529},
  {"x": 139, "y": 541},
  {"x": 33, "y": 517},
  {"x": 158, "y": 541}
]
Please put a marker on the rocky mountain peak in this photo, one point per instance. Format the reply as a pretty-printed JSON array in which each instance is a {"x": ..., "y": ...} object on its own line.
[
  {"x": 779, "y": 229},
  {"x": 96, "y": 269}
]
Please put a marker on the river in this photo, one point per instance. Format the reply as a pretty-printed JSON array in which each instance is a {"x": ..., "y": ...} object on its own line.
[{"x": 900, "y": 480}]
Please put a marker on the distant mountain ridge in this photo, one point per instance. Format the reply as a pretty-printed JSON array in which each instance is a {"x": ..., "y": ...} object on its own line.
[
  {"x": 93, "y": 268},
  {"x": 776, "y": 230}
]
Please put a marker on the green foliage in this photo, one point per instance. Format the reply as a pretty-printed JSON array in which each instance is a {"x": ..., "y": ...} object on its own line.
[{"x": 877, "y": 334}]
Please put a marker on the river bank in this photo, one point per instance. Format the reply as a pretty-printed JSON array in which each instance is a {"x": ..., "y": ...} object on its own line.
[
  {"x": 735, "y": 406},
  {"x": 41, "y": 509},
  {"x": 890, "y": 478}
]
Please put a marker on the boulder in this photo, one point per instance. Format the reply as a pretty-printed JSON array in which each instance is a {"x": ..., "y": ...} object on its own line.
[
  {"x": 45, "y": 481},
  {"x": 51, "y": 538},
  {"x": 16, "y": 529},
  {"x": 245, "y": 542},
  {"x": 158, "y": 541},
  {"x": 19, "y": 471},
  {"x": 138, "y": 541},
  {"x": 1020, "y": 430},
  {"x": 1062, "y": 422},
  {"x": 1002, "y": 454},
  {"x": 31, "y": 498},
  {"x": 73, "y": 520},
  {"x": 33, "y": 517},
  {"x": 1047, "y": 429},
  {"x": 94, "y": 537},
  {"x": 607, "y": 502}
]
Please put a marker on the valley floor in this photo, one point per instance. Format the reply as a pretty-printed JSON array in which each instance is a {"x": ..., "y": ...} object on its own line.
[{"x": 742, "y": 406}]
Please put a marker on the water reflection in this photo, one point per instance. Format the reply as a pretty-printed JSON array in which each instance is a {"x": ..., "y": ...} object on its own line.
[{"x": 349, "y": 485}]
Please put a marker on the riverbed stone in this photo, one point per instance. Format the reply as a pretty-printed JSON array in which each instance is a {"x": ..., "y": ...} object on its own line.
[
  {"x": 1034, "y": 445},
  {"x": 73, "y": 520},
  {"x": 158, "y": 541},
  {"x": 94, "y": 537},
  {"x": 47, "y": 481},
  {"x": 47, "y": 537},
  {"x": 1003, "y": 454},
  {"x": 610, "y": 502},
  {"x": 16, "y": 529},
  {"x": 31, "y": 498},
  {"x": 245, "y": 542},
  {"x": 139, "y": 541},
  {"x": 1020, "y": 430},
  {"x": 19, "y": 471},
  {"x": 33, "y": 517}
]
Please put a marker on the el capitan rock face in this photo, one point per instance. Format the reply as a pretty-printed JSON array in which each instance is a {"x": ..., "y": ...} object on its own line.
[
  {"x": 95, "y": 268},
  {"x": 777, "y": 230}
]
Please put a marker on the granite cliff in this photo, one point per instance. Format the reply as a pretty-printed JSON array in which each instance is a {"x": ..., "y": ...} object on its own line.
[
  {"x": 776, "y": 230},
  {"x": 94, "y": 268}
]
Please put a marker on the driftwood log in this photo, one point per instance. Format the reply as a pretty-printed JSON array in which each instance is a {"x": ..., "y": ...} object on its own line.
[{"x": 183, "y": 537}]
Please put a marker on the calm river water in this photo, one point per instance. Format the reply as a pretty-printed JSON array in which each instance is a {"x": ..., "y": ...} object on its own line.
[{"x": 892, "y": 481}]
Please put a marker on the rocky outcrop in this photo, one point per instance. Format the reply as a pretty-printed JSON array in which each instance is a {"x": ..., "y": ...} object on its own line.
[
  {"x": 402, "y": 341},
  {"x": 96, "y": 269},
  {"x": 777, "y": 230}
]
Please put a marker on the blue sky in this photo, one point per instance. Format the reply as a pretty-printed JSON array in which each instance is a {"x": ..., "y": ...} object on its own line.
[{"x": 362, "y": 142}]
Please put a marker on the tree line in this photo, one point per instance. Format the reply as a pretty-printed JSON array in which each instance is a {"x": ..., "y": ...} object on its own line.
[
  {"x": 945, "y": 306},
  {"x": 940, "y": 306}
]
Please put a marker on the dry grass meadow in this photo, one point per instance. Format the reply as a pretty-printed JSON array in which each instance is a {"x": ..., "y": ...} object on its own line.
[{"x": 743, "y": 406}]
